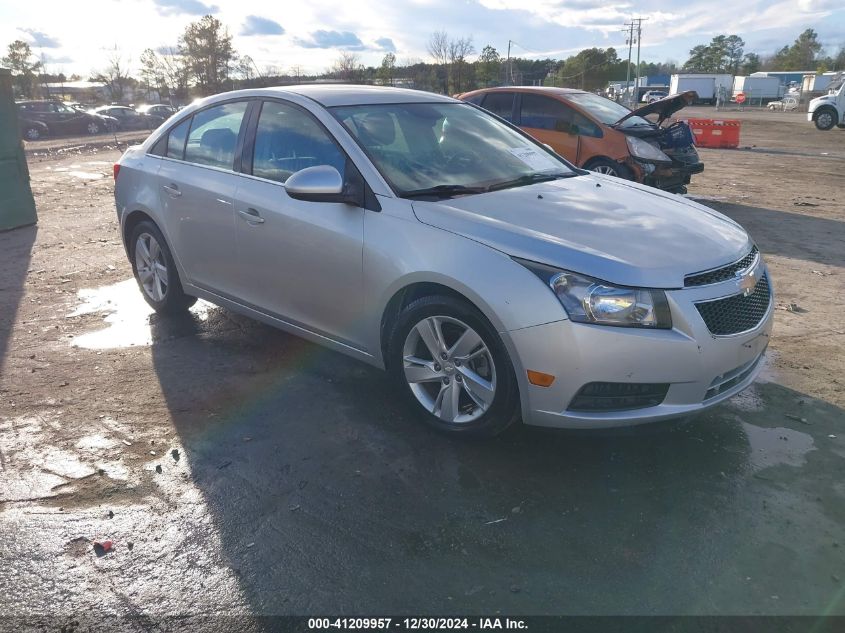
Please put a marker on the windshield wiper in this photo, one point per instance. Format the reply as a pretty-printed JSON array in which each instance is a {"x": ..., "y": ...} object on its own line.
[
  {"x": 443, "y": 191},
  {"x": 529, "y": 179}
]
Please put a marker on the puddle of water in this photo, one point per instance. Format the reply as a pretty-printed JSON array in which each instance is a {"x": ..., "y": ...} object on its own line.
[
  {"x": 86, "y": 175},
  {"x": 776, "y": 446},
  {"x": 126, "y": 315}
]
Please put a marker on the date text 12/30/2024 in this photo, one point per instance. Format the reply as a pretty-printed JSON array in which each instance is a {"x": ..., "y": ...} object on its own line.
[{"x": 416, "y": 624}]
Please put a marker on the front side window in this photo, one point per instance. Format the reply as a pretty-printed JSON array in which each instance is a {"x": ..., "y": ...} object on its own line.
[
  {"x": 419, "y": 146},
  {"x": 214, "y": 135},
  {"x": 545, "y": 113},
  {"x": 289, "y": 139},
  {"x": 605, "y": 110},
  {"x": 500, "y": 104}
]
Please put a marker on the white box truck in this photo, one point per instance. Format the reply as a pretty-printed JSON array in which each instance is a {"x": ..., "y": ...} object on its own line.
[
  {"x": 758, "y": 89},
  {"x": 707, "y": 86}
]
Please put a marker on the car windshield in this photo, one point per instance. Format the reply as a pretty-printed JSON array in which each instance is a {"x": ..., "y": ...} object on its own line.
[
  {"x": 605, "y": 110},
  {"x": 447, "y": 148}
]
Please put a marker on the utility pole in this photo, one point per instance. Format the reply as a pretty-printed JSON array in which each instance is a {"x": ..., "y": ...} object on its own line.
[
  {"x": 630, "y": 42},
  {"x": 509, "y": 78}
]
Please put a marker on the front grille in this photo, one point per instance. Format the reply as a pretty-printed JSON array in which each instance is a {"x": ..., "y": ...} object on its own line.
[
  {"x": 738, "y": 313},
  {"x": 721, "y": 274},
  {"x": 618, "y": 396}
]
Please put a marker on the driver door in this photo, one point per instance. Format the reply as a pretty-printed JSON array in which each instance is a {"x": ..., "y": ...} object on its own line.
[{"x": 300, "y": 261}]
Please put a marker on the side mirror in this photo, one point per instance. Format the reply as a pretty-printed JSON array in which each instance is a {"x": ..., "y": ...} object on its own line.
[{"x": 322, "y": 183}]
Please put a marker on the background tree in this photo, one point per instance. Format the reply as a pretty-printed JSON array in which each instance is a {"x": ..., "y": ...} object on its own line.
[
  {"x": 489, "y": 70},
  {"x": 751, "y": 63},
  {"x": 459, "y": 50},
  {"x": 20, "y": 60},
  {"x": 387, "y": 69},
  {"x": 208, "y": 52},
  {"x": 438, "y": 48},
  {"x": 347, "y": 67},
  {"x": 115, "y": 77},
  {"x": 801, "y": 55}
]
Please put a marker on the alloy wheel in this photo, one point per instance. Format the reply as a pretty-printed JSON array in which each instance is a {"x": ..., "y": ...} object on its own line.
[
  {"x": 32, "y": 134},
  {"x": 93, "y": 128},
  {"x": 607, "y": 170},
  {"x": 449, "y": 369},
  {"x": 151, "y": 266}
]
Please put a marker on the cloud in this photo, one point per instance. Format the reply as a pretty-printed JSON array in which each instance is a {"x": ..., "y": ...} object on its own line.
[
  {"x": 386, "y": 44},
  {"x": 57, "y": 59},
  {"x": 40, "y": 39},
  {"x": 191, "y": 7},
  {"x": 333, "y": 39},
  {"x": 256, "y": 25}
]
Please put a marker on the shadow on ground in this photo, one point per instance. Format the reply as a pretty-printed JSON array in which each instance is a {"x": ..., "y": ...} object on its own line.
[
  {"x": 15, "y": 255},
  {"x": 329, "y": 499}
]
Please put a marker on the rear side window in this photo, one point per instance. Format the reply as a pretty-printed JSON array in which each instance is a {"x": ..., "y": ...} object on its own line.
[
  {"x": 500, "y": 104},
  {"x": 545, "y": 113},
  {"x": 476, "y": 99},
  {"x": 214, "y": 135},
  {"x": 176, "y": 140},
  {"x": 288, "y": 139}
]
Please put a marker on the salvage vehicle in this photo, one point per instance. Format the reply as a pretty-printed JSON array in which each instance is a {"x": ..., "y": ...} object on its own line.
[
  {"x": 60, "y": 119},
  {"x": 490, "y": 277},
  {"x": 829, "y": 110},
  {"x": 601, "y": 135}
]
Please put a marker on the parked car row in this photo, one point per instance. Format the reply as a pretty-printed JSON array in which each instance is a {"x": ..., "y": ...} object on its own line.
[
  {"x": 490, "y": 276},
  {"x": 39, "y": 119}
]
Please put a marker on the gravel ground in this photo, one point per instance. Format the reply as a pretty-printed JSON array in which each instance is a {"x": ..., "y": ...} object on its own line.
[{"x": 239, "y": 470}]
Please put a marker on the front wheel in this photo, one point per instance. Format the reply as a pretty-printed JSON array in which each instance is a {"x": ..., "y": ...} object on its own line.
[
  {"x": 155, "y": 271},
  {"x": 453, "y": 367},
  {"x": 93, "y": 127},
  {"x": 826, "y": 119},
  {"x": 32, "y": 133},
  {"x": 608, "y": 168}
]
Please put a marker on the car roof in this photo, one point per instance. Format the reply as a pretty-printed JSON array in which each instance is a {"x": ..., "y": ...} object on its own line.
[
  {"x": 329, "y": 95},
  {"x": 540, "y": 89}
]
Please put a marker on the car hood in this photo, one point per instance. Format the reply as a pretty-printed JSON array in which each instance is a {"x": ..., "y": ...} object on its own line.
[
  {"x": 665, "y": 107},
  {"x": 596, "y": 225}
]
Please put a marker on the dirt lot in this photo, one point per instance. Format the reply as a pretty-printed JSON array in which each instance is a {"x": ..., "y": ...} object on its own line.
[{"x": 239, "y": 470}]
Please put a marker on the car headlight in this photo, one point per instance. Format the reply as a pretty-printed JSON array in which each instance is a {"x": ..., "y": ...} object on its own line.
[
  {"x": 645, "y": 150},
  {"x": 589, "y": 300}
]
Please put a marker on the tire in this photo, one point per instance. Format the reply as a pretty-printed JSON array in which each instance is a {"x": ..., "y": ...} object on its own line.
[
  {"x": 155, "y": 271},
  {"x": 476, "y": 396},
  {"x": 825, "y": 119},
  {"x": 92, "y": 127},
  {"x": 608, "y": 168},
  {"x": 31, "y": 133}
]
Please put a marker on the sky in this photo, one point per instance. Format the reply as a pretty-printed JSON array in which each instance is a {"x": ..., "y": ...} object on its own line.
[{"x": 78, "y": 37}]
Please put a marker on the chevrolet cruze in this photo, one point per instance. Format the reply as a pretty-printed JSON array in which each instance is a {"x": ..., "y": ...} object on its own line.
[{"x": 492, "y": 279}]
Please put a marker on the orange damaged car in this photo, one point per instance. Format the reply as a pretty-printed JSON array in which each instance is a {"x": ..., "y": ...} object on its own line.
[{"x": 601, "y": 135}]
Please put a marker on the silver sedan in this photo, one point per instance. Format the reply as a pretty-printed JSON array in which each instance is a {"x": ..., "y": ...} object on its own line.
[{"x": 492, "y": 279}]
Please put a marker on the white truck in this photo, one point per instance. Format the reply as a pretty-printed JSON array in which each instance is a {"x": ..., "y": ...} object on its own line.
[
  {"x": 758, "y": 89},
  {"x": 829, "y": 110},
  {"x": 707, "y": 86}
]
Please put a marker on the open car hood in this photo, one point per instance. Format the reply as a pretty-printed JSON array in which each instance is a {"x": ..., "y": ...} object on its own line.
[{"x": 665, "y": 107}]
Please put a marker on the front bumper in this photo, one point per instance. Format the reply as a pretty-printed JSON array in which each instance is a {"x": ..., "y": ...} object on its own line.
[
  {"x": 666, "y": 177},
  {"x": 700, "y": 368}
]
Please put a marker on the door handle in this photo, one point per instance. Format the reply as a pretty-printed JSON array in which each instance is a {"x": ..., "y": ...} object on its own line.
[
  {"x": 172, "y": 189},
  {"x": 251, "y": 215}
]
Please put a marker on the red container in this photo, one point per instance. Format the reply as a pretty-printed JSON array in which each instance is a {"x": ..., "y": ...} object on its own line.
[{"x": 715, "y": 133}]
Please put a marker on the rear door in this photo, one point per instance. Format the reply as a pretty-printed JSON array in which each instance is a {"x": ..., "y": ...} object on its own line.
[
  {"x": 550, "y": 121},
  {"x": 197, "y": 187},
  {"x": 301, "y": 261}
]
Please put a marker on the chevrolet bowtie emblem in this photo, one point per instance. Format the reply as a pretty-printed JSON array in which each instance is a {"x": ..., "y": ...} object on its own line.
[{"x": 747, "y": 283}]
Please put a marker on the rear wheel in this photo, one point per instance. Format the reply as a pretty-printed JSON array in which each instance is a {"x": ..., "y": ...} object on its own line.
[
  {"x": 826, "y": 119},
  {"x": 31, "y": 133},
  {"x": 453, "y": 367},
  {"x": 608, "y": 168},
  {"x": 155, "y": 271}
]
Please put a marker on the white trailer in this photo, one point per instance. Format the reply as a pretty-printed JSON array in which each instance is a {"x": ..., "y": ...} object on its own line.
[
  {"x": 704, "y": 85},
  {"x": 758, "y": 89}
]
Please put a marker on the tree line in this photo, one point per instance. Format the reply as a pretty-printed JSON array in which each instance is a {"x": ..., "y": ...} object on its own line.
[{"x": 204, "y": 61}]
